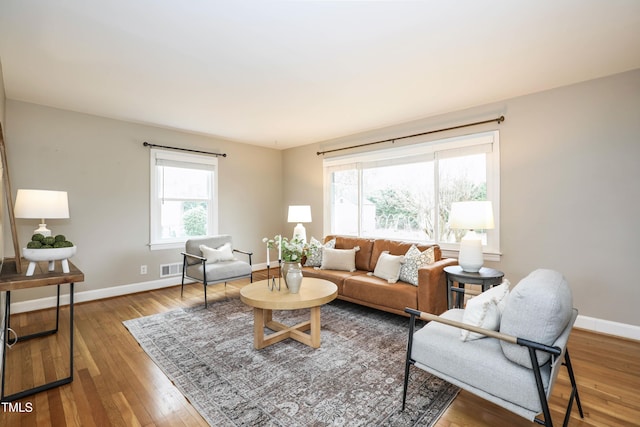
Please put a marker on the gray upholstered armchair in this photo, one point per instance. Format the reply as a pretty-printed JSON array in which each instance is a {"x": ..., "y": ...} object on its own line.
[
  {"x": 211, "y": 260},
  {"x": 512, "y": 361}
]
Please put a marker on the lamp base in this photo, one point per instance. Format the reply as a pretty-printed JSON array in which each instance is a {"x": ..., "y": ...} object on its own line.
[
  {"x": 470, "y": 256},
  {"x": 300, "y": 233},
  {"x": 42, "y": 229}
]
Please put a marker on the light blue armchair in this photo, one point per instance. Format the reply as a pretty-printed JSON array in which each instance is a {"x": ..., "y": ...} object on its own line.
[
  {"x": 207, "y": 260},
  {"x": 514, "y": 366}
]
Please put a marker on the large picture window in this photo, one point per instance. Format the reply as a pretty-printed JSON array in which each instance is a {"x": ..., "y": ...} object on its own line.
[
  {"x": 183, "y": 197},
  {"x": 406, "y": 193}
]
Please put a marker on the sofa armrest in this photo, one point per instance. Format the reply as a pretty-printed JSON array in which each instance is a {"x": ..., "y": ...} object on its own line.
[{"x": 432, "y": 286}]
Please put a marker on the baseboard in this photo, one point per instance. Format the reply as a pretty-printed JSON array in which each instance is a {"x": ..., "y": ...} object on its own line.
[
  {"x": 608, "y": 327},
  {"x": 84, "y": 296}
]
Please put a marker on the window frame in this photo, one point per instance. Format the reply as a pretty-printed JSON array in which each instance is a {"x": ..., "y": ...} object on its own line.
[
  {"x": 200, "y": 161},
  {"x": 420, "y": 150}
]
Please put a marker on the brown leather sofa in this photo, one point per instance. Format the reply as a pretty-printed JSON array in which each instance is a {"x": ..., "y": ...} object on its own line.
[{"x": 430, "y": 295}]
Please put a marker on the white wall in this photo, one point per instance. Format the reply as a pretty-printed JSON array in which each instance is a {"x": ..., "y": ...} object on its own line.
[
  {"x": 570, "y": 167},
  {"x": 105, "y": 169}
]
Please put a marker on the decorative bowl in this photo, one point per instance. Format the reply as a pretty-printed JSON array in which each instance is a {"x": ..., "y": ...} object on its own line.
[{"x": 49, "y": 254}]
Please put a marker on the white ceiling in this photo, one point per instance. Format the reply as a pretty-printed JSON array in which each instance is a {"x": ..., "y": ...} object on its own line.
[{"x": 287, "y": 73}]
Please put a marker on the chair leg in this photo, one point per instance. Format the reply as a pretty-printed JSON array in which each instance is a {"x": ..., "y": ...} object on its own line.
[
  {"x": 182, "y": 286},
  {"x": 574, "y": 390},
  {"x": 204, "y": 282},
  {"x": 541, "y": 393},
  {"x": 407, "y": 364},
  {"x": 184, "y": 269},
  {"x": 408, "y": 361}
]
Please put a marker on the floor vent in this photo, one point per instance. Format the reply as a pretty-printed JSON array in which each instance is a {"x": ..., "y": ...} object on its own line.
[{"x": 174, "y": 269}]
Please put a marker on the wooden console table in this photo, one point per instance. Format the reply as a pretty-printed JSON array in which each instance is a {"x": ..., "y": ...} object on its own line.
[{"x": 13, "y": 280}]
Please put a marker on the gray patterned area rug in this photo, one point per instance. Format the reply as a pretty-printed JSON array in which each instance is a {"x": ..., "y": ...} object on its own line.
[{"x": 354, "y": 379}]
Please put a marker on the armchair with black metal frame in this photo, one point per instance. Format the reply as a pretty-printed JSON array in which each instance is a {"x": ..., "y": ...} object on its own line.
[
  {"x": 503, "y": 367},
  {"x": 210, "y": 260}
]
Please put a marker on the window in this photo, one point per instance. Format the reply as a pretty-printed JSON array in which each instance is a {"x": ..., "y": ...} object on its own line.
[
  {"x": 405, "y": 193},
  {"x": 183, "y": 197}
]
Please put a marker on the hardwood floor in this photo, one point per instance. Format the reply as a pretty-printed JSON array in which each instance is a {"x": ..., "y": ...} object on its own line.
[{"x": 117, "y": 384}]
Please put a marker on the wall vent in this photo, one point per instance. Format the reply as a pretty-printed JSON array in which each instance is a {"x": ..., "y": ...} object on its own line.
[{"x": 173, "y": 269}]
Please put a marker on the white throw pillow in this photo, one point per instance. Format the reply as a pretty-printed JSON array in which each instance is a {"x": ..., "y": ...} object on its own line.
[
  {"x": 414, "y": 259},
  {"x": 484, "y": 311},
  {"x": 314, "y": 255},
  {"x": 339, "y": 259},
  {"x": 500, "y": 294},
  {"x": 388, "y": 267},
  {"x": 223, "y": 253}
]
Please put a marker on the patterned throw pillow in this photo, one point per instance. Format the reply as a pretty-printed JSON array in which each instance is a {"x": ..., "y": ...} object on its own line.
[
  {"x": 413, "y": 260},
  {"x": 314, "y": 255}
]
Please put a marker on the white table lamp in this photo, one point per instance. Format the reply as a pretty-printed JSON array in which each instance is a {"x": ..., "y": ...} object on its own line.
[
  {"x": 475, "y": 215},
  {"x": 41, "y": 204},
  {"x": 299, "y": 214}
]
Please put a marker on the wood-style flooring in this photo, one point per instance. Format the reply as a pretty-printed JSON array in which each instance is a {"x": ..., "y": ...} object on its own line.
[{"x": 117, "y": 384}]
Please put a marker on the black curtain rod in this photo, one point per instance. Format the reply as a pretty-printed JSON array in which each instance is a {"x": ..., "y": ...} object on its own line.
[
  {"x": 148, "y": 144},
  {"x": 499, "y": 120}
]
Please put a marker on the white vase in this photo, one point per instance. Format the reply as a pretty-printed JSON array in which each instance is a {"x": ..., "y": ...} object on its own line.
[
  {"x": 293, "y": 269},
  {"x": 294, "y": 280}
]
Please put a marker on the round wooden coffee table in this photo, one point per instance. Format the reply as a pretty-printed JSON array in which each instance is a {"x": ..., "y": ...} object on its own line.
[{"x": 313, "y": 294}]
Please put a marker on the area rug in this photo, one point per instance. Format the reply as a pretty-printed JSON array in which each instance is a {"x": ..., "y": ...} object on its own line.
[{"x": 354, "y": 379}]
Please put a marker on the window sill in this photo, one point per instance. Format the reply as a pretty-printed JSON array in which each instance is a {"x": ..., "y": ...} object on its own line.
[
  {"x": 488, "y": 256},
  {"x": 166, "y": 245}
]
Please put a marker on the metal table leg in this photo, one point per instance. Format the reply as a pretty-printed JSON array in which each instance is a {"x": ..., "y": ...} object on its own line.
[{"x": 50, "y": 385}]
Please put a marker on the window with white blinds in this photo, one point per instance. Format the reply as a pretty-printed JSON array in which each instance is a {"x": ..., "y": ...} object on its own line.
[{"x": 183, "y": 197}]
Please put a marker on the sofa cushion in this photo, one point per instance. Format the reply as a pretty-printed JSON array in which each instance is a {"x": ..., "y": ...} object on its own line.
[
  {"x": 388, "y": 267},
  {"x": 414, "y": 259},
  {"x": 339, "y": 259},
  {"x": 334, "y": 276},
  {"x": 363, "y": 256},
  {"x": 220, "y": 271},
  {"x": 479, "y": 363},
  {"x": 376, "y": 291},
  {"x": 538, "y": 309}
]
